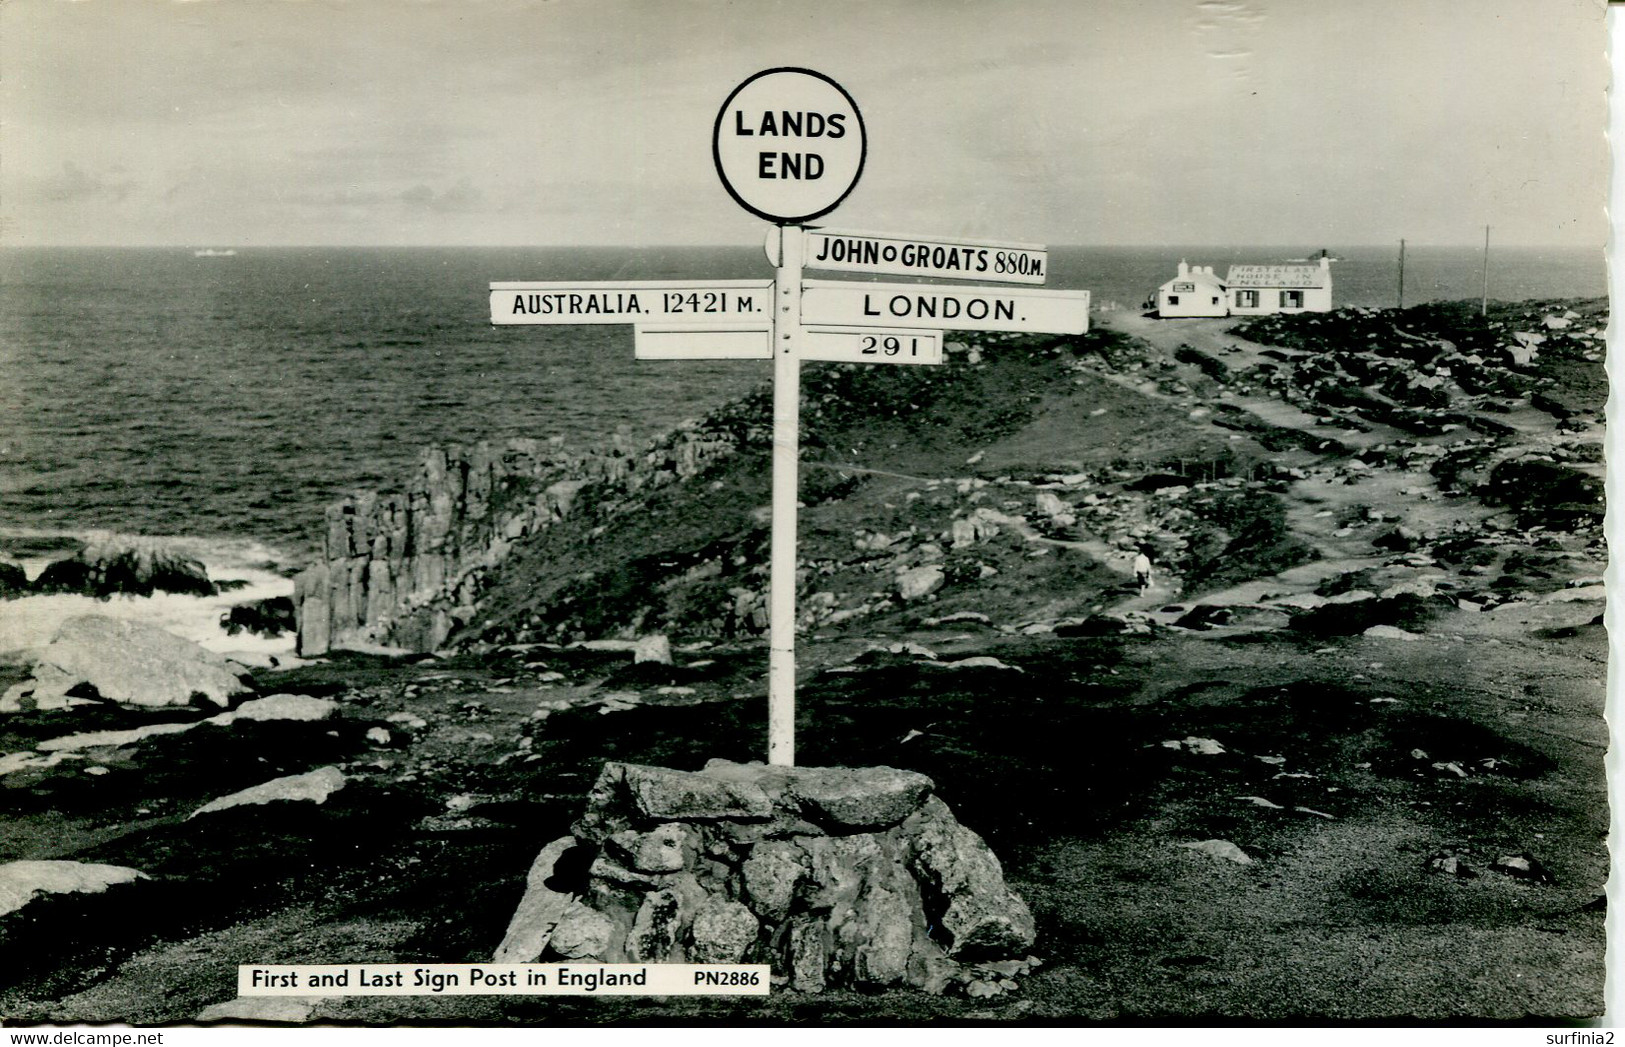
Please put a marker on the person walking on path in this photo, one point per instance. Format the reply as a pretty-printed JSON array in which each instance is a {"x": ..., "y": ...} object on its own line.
[{"x": 1142, "y": 571}]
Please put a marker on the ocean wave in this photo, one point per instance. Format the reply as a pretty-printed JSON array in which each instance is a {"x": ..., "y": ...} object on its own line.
[
  {"x": 262, "y": 571},
  {"x": 225, "y": 557}
]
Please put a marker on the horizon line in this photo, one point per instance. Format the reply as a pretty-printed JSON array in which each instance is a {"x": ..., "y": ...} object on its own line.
[{"x": 1168, "y": 245}]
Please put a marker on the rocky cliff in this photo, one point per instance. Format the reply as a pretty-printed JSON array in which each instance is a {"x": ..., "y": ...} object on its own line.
[{"x": 405, "y": 569}]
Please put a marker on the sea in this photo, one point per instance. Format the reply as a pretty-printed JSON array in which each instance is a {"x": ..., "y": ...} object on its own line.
[{"x": 222, "y": 399}]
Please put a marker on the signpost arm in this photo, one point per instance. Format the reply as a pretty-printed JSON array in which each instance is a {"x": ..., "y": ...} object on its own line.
[{"x": 781, "y": 671}]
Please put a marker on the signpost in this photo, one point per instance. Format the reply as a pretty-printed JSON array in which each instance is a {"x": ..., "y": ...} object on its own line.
[
  {"x": 789, "y": 145},
  {"x": 894, "y": 255},
  {"x": 870, "y": 345},
  {"x": 929, "y": 306}
]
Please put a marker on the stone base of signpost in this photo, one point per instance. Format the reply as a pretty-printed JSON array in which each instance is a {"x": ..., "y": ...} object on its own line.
[{"x": 836, "y": 877}]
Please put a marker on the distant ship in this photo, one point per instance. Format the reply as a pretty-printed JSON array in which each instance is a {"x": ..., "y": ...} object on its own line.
[
  {"x": 209, "y": 252},
  {"x": 1317, "y": 257}
]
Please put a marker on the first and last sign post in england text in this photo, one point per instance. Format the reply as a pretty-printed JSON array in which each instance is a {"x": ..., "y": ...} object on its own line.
[{"x": 789, "y": 145}]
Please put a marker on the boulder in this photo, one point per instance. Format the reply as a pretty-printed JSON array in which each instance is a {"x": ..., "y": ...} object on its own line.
[
  {"x": 635, "y": 796},
  {"x": 1221, "y": 849},
  {"x": 655, "y": 649},
  {"x": 22, "y": 882},
  {"x": 13, "y": 579},
  {"x": 288, "y": 1010},
  {"x": 581, "y": 932},
  {"x": 96, "y": 657},
  {"x": 280, "y": 707},
  {"x": 919, "y": 582},
  {"x": 862, "y": 797},
  {"x": 982, "y": 917},
  {"x": 539, "y": 910},
  {"x": 135, "y": 566},
  {"x": 722, "y": 931},
  {"x": 665, "y": 848},
  {"x": 312, "y": 786},
  {"x": 272, "y": 616}
]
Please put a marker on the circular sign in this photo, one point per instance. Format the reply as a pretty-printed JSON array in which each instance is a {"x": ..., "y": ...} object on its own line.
[{"x": 789, "y": 144}]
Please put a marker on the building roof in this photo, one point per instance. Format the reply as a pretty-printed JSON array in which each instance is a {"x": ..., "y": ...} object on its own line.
[
  {"x": 1198, "y": 279},
  {"x": 1292, "y": 276}
]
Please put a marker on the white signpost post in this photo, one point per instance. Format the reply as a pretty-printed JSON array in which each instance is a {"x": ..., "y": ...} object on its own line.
[{"x": 789, "y": 145}]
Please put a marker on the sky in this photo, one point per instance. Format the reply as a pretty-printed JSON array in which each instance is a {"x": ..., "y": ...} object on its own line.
[{"x": 576, "y": 122}]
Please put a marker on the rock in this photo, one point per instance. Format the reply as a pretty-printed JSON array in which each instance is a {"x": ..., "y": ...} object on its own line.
[
  {"x": 132, "y": 663},
  {"x": 863, "y": 798},
  {"x": 280, "y": 707},
  {"x": 312, "y": 786},
  {"x": 11, "y": 763},
  {"x": 1390, "y": 632},
  {"x": 1200, "y": 746},
  {"x": 666, "y": 848},
  {"x": 113, "y": 739},
  {"x": 771, "y": 875},
  {"x": 655, "y": 649},
  {"x": 284, "y": 1009},
  {"x": 138, "y": 567},
  {"x": 21, "y": 882},
  {"x": 919, "y": 582},
  {"x": 378, "y": 735},
  {"x": 1049, "y": 504},
  {"x": 982, "y": 916},
  {"x": 662, "y": 921},
  {"x": 960, "y": 616},
  {"x": 980, "y": 661},
  {"x": 849, "y": 877},
  {"x": 1576, "y": 594},
  {"x": 581, "y": 933},
  {"x": 628, "y": 794},
  {"x": 13, "y": 579},
  {"x": 1220, "y": 849},
  {"x": 539, "y": 910},
  {"x": 1400, "y": 539},
  {"x": 880, "y": 934},
  {"x": 722, "y": 931},
  {"x": 272, "y": 616},
  {"x": 809, "y": 954},
  {"x": 1523, "y": 866}
]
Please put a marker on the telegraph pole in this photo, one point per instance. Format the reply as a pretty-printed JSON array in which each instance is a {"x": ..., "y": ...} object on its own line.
[{"x": 1402, "y": 274}]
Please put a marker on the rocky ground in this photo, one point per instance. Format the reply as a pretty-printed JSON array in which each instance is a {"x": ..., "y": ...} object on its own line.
[{"x": 1342, "y": 760}]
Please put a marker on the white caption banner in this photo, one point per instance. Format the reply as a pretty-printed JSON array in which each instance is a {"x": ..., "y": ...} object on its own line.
[{"x": 504, "y": 979}]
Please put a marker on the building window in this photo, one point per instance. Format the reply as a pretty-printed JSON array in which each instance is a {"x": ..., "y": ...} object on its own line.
[
  {"x": 1291, "y": 299},
  {"x": 1215, "y": 301},
  {"x": 1247, "y": 299},
  {"x": 1173, "y": 299}
]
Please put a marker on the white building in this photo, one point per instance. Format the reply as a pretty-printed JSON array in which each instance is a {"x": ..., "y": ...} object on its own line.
[
  {"x": 1256, "y": 289},
  {"x": 1247, "y": 290},
  {"x": 1196, "y": 291}
]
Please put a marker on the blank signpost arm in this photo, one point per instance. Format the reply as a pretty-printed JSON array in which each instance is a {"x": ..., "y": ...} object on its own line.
[{"x": 781, "y": 670}]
